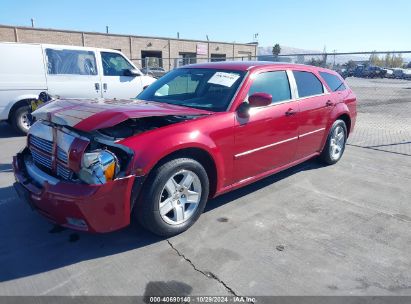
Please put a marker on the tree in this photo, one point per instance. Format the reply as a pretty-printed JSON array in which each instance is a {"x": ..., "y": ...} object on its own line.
[
  {"x": 276, "y": 50},
  {"x": 315, "y": 62},
  {"x": 388, "y": 60},
  {"x": 376, "y": 60},
  {"x": 397, "y": 61},
  {"x": 393, "y": 61}
]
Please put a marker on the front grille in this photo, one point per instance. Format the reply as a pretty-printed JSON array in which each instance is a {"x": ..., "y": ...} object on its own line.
[
  {"x": 41, "y": 159},
  {"x": 64, "y": 172},
  {"x": 41, "y": 151},
  {"x": 42, "y": 144}
]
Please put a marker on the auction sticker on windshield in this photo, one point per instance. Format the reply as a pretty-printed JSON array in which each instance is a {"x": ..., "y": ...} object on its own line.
[{"x": 224, "y": 79}]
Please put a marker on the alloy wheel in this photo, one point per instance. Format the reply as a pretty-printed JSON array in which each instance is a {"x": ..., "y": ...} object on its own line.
[
  {"x": 180, "y": 197},
  {"x": 337, "y": 142}
]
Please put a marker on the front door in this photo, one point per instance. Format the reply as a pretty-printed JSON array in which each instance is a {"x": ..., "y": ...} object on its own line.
[
  {"x": 115, "y": 83},
  {"x": 267, "y": 139},
  {"x": 72, "y": 73}
]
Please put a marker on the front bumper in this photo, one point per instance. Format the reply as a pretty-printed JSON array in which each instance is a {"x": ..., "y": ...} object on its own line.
[{"x": 99, "y": 208}]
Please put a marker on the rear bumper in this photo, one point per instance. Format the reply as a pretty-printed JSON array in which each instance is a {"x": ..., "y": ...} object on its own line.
[{"x": 94, "y": 208}]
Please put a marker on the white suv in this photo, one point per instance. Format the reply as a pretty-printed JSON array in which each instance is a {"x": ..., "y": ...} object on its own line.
[{"x": 64, "y": 71}]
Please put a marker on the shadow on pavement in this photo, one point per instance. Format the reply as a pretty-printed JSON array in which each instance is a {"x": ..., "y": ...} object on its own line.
[
  {"x": 7, "y": 131},
  {"x": 30, "y": 245},
  {"x": 6, "y": 168},
  {"x": 231, "y": 196}
]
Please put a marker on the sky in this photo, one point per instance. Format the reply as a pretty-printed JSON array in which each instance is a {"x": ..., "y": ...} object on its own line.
[{"x": 343, "y": 26}]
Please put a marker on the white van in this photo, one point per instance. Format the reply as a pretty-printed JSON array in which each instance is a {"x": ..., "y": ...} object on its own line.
[{"x": 64, "y": 71}]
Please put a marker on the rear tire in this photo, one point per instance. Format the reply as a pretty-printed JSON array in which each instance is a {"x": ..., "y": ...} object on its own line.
[
  {"x": 335, "y": 146},
  {"x": 20, "y": 119},
  {"x": 173, "y": 197}
]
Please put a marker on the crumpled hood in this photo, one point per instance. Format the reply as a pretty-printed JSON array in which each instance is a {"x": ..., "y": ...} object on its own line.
[{"x": 88, "y": 114}]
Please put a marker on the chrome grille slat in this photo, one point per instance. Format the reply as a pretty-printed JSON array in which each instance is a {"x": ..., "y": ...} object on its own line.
[
  {"x": 42, "y": 144},
  {"x": 63, "y": 172},
  {"x": 62, "y": 155},
  {"x": 46, "y": 146},
  {"x": 41, "y": 159}
]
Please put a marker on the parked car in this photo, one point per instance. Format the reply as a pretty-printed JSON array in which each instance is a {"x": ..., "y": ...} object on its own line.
[
  {"x": 406, "y": 74},
  {"x": 369, "y": 71},
  {"x": 65, "y": 71},
  {"x": 398, "y": 73},
  {"x": 389, "y": 73},
  {"x": 155, "y": 72},
  {"x": 94, "y": 165},
  {"x": 343, "y": 72},
  {"x": 359, "y": 71}
]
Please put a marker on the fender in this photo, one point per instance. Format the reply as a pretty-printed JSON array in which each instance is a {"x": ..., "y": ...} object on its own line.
[
  {"x": 339, "y": 109},
  {"x": 151, "y": 147}
]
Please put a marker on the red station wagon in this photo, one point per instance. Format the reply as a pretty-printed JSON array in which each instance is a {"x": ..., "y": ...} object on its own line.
[{"x": 197, "y": 132}]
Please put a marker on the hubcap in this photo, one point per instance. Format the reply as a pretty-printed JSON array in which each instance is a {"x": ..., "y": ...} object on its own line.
[
  {"x": 180, "y": 197},
  {"x": 24, "y": 119},
  {"x": 337, "y": 142}
]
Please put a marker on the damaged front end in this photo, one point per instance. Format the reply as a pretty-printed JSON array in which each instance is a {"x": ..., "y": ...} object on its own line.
[
  {"x": 76, "y": 180},
  {"x": 75, "y": 156},
  {"x": 83, "y": 180}
]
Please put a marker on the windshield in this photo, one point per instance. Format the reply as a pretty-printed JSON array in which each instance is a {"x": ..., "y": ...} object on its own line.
[{"x": 208, "y": 89}]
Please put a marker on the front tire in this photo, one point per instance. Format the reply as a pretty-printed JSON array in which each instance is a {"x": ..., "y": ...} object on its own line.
[
  {"x": 335, "y": 146},
  {"x": 175, "y": 197},
  {"x": 20, "y": 120}
]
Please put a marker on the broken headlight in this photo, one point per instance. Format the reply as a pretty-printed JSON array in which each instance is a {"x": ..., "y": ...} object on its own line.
[{"x": 99, "y": 167}]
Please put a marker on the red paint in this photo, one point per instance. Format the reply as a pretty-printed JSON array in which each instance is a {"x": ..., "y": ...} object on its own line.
[
  {"x": 76, "y": 152},
  {"x": 243, "y": 150},
  {"x": 105, "y": 207}
]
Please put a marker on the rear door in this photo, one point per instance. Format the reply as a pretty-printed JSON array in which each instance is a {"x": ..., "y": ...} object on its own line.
[
  {"x": 115, "y": 83},
  {"x": 315, "y": 104},
  {"x": 72, "y": 73},
  {"x": 267, "y": 139}
]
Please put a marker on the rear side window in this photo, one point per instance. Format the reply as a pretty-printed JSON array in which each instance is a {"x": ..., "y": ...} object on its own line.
[
  {"x": 307, "y": 84},
  {"x": 274, "y": 83},
  {"x": 333, "y": 81},
  {"x": 71, "y": 62}
]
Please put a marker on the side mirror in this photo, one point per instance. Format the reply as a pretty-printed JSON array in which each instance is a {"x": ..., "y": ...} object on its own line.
[
  {"x": 243, "y": 110},
  {"x": 260, "y": 100},
  {"x": 132, "y": 72}
]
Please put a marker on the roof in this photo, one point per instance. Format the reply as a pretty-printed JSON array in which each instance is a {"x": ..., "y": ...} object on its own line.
[{"x": 243, "y": 65}]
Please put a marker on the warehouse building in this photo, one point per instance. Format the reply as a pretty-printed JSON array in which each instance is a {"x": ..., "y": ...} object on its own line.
[{"x": 153, "y": 51}]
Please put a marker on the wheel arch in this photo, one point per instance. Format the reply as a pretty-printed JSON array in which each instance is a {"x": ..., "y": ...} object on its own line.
[
  {"x": 22, "y": 102},
  {"x": 198, "y": 154},
  {"x": 347, "y": 120}
]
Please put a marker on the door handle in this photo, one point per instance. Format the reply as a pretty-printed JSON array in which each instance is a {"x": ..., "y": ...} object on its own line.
[
  {"x": 329, "y": 103},
  {"x": 97, "y": 86},
  {"x": 290, "y": 112},
  {"x": 104, "y": 86}
]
